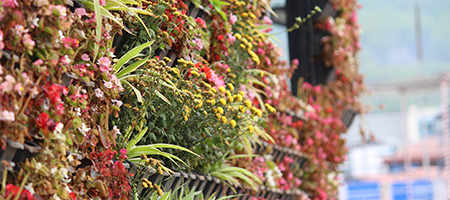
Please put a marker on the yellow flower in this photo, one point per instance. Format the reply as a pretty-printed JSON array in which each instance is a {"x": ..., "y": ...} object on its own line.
[
  {"x": 218, "y": 116},
  {"x": 259, "y": 113},
  {"x": 241, "y": 108},
  {"x": 167, "y": 59},
  {"x": 244, "y": 15},
  {"x": 220, "y": 110},
  {"x": 242, "y": 46},
  {"x": 199, "y": 103},
  {"x": 222, "y": 89},
  {"x": 214, "y": 90},
  {"x": 245, "y": 41},
  {"x": 250, "y": 129},
  {"x": 144, "y": 184},
  {"x": 228, "y": 93},
  {"x": 224, "y": 119},
  {"x": 238, "y": 97},
  {"x": 223, "y": 101},
  {"x": 185, "y": 118},
  {"x": 233, "y": 123},
  {"x": 230, "y": 99},
  {"x": 211, "y": 102},
  {"x": 205, "y": 113},
  {"x": 196, "y": 74},
  {"x": 238, "y": 36},
  {"x": 198, "y": 96},
  {"x": 230, "y": 86},
  {"x": 241, "y": 93},
  {"x": 270, "y": 108},
  {"x": 248, "y": 103}
]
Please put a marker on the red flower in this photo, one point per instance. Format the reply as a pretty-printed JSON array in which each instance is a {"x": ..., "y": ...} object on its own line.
[
  {"x": 14, "y": 190},
  {"x": 42, "y": 120},
  {"x": 53, "y": 92},
  {"x": 220, "y": 37},
  {"x": 207, "y": 71},
  {"x": 72, "y": 196}
]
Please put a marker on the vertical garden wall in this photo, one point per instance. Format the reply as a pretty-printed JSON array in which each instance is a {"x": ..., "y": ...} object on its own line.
[{"x": 135, "y": 99}]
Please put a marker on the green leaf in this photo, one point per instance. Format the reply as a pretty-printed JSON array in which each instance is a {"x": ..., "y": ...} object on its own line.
[
  {"x": 136, "y": 91},
  {"x": 131, "y": 68},
  {"x": 166, "y": 196},
  {"x": 161, "y": 96},
  {"x": 107, "y": 14},
  {"x": 136, "y": 139},
  {"x": 131, "y": 54},
  {"x": 133, "y": 11},
  {"x": 98, "y": 29}
]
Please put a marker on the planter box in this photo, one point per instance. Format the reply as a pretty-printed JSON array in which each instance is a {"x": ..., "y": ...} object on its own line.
[
  {"x": 347, "y": 117},
  {"x": 17, "y": 152}
]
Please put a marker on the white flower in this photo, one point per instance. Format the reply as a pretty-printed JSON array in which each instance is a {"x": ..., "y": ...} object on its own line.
[
  {"x": 7, "y": 116},
  {"x": 58, "y": 128},
  {"x": 54, "y": 170},
  {"x": 30, "y": 188},
  {"x": 36, "y": 22},
  {"x": 84, "y": 127},
  {"x": 78, "y": 111},
  {"x": 70, "y": 157},
  {"x": 55, "y": 197},
  {"x": 65, "y": 172},
  {"x": 68, "y": 189},
  {"x": 61, "y": 35},
  {"x": 38, "y": 166},
  {"x": 98, "y": 93},
  {"x": 108, "y": 27}
]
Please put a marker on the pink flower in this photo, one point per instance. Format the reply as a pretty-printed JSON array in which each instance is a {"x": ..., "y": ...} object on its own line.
[
  {"x": 198, "y": 43},
  {"x": 231, "y": 38},
  {"x": 7, "y": 115},
  {"x": 28, "y": 42},
  {"x": 2, "y": 45},
  {"x": 267, "y": 20},
  {"x": 61, "y": 9},
  {"x": 104, "y": 61},
  {"x": 295, "y": 62},
  {"x": 85, "y": 57},
  {"x": 104, "y": 68},
  {"x": 7, "y": 85},
  {"x": 102, "y": 2},
  {"x": 117, "y": 102},
  {"x": 201, "y": 22},
  {"x": 98, "y": 93},
  {"x": 80, "y": 11},
  {"x": 10, "y": 3},
  {"x": 65, "y": 60},
  {"x": 123, "y": 151},
  {"x": 233, "y": 18},
  {"x": 317, "y": 89},
  {"x": 38, "y": 62},
  {"x": 289, "y": 140},
  {"x": 19, "y": 30},
  {"x": 60, "y": 108},
  {"x": 108, "y": 84},
  {"x": 18, "y": 88},
  {"x": 261, "y": 51}
]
